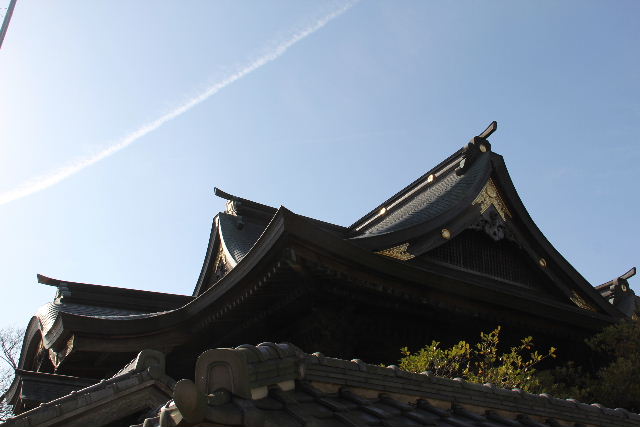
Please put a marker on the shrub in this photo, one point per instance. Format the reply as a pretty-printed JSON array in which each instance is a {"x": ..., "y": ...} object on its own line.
[
  {"x": 613, "y": 379},
  {"x": 481, "y": 363}
]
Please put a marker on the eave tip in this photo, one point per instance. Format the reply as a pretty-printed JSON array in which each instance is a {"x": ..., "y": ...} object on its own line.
[
  {"x": 629, "y": 274},
  {"x": 46, "y": 280},
  {"x": 489, "y": 130},
  {"x": 223, "y": 194}
]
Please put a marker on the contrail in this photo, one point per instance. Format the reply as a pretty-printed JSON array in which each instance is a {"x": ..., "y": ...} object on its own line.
[{"x": 46, "y": 181}]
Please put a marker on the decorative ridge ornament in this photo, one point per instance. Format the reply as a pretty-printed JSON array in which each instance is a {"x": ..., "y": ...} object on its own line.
[
  {"x": 477, "y": 146},
  {"x": 489, "y": 196},
  {"x": 580, "y": 302},
  {"x": 397, "y": 252}
]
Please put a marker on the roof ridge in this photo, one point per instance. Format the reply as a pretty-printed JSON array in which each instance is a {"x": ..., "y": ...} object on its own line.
[
  {"x": 49, "y": 281},
  {"x": 467, "y": 154},
  {"x": 259, "y": 377}
]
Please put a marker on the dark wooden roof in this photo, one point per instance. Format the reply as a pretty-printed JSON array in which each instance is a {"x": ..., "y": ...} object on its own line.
[
  {"x": 234, "y": 290},
  {"x": 446, "y": 198},
  {"x": 114, "y": 297},
  {"x": 236, "y": 230},
  {"x": 269, "y": 252},
  {"x": 417, "y": 185},
  {"x": 426, "y": 200}
]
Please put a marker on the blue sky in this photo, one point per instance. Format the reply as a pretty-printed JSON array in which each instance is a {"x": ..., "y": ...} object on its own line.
[{"x": 338, "y": 122}]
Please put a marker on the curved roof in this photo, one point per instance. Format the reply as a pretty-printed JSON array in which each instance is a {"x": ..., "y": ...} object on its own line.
[
  {"x": 255, "y": 235},
  {"x": 48, "y": 313},
  {"x": 238, "y": 234},
  {"x": 229, "y": 292}
]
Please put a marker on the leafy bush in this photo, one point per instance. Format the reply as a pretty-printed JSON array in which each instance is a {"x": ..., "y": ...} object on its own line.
[
  {"x": 481, "y": 363},
  {"x": 614, "y": 378}
]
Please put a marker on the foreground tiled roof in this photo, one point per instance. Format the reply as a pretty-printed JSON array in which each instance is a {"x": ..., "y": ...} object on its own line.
[
  {"x": 141, "y": 385},
  {"x": 39, "y": 387},
  {"x": 278, "y": 385}
]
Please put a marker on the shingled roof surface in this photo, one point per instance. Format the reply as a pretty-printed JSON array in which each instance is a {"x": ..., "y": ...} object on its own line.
[
  {"x": 307, "y": 406},
  {"x": 48, "y": 313},
  {"x": 238, "y": 236},
  {"x": 433, "y": 200}
]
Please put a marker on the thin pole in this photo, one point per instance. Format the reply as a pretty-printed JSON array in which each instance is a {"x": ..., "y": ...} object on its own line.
[{"x": 7, "y": 18}]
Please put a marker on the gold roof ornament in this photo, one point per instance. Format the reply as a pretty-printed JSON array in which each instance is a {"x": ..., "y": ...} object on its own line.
[
  {"x": 580, "y": 302},
  {"x": 489, "y": 196},
  {"x": 397, "y": 252}
]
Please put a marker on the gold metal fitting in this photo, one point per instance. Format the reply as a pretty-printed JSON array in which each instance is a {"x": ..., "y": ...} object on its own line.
[{"x": 446, "y": 233}]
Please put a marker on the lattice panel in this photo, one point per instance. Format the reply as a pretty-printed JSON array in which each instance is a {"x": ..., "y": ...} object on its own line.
[{"x": 475, "y": 251}]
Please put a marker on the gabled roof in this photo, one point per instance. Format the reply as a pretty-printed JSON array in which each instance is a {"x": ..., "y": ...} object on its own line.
[
  {"x": 471, "y": 186},
  {"x": 470, "y": 189},
  {"x": 235, "y": 231},
  {"x": 390, "y": 248},
  {"x": 233, "y": 291}
]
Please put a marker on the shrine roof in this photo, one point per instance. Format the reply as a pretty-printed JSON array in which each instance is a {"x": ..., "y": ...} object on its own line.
[
  {"x": 90, "y": 301},
  {"x": 254, "y": 236},
  {"x": 426, "y": 199},
  {"x": 284, "y": 227},
  {"x": 111, "y": 296}
]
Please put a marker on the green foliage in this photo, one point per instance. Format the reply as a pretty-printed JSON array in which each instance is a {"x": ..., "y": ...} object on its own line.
[
  {"x": 482, "y": 363},
  {"x": 612, "y": 378},
  {"x": 614, "y": 381}
]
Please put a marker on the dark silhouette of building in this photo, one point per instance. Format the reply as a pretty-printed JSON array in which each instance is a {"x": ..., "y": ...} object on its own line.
[{"x": 452, "y": 254}]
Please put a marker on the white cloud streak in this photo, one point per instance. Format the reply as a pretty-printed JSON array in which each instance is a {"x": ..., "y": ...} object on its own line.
[{"x": 49, "y": 180}]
